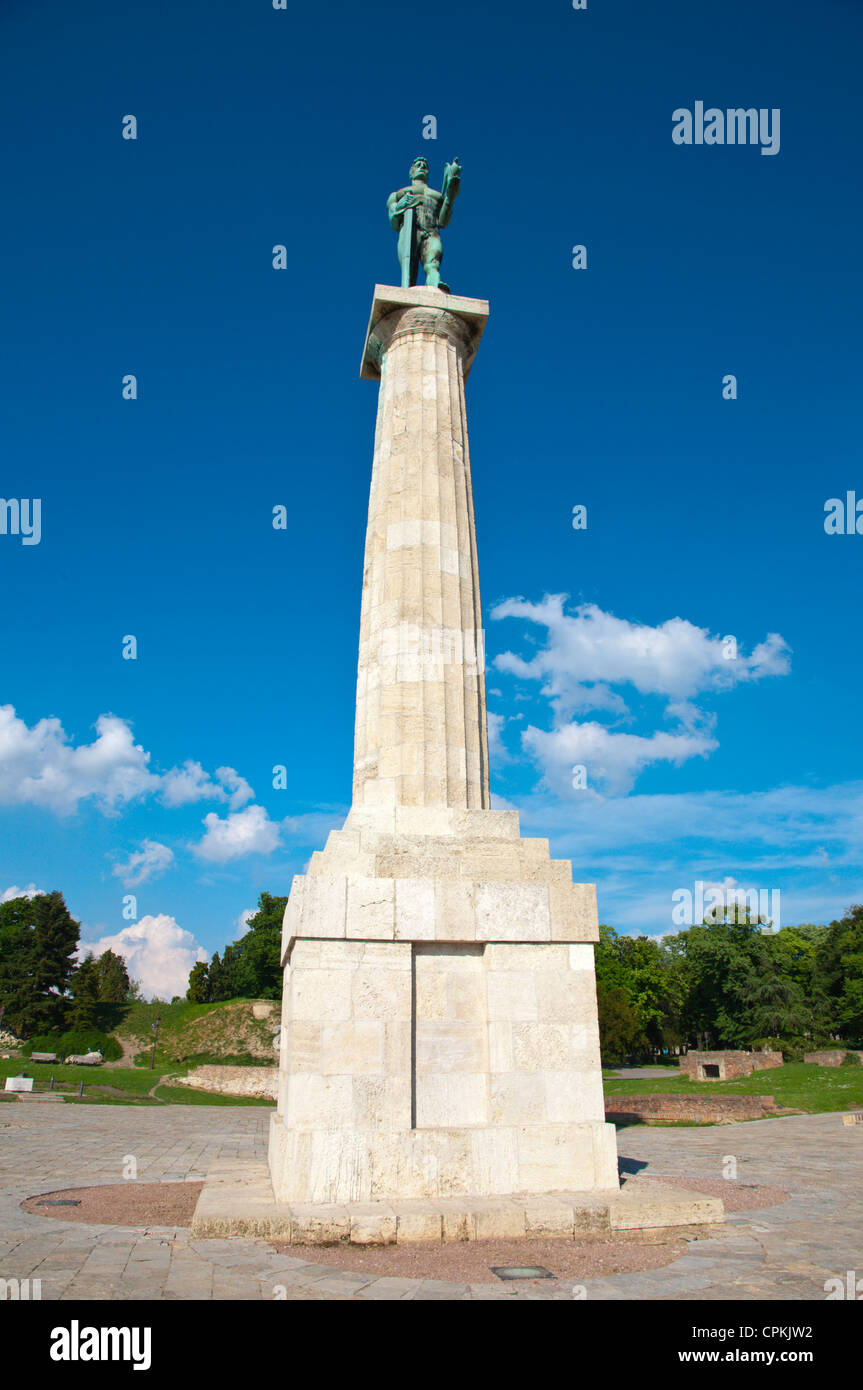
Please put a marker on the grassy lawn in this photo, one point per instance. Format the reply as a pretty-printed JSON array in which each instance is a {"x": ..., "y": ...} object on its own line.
[
  {"x": 133, "y": 1082},
  {"x": 809, "y": 1088}
]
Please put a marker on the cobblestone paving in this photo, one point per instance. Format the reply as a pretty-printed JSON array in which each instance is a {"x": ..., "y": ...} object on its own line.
[{"x": 782, "y": 1252}]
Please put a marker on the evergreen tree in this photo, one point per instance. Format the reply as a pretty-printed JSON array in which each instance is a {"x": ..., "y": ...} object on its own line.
[
  {"x": 38, "y": 941},
  {"x": 199, "y": 984},
  {"x": 84, "y": 986},
  {"x": 114, "y": 983}
]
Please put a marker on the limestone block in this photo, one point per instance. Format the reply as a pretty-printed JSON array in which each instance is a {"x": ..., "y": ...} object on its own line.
[
  {"x": 466, "y": 996},
  {"x": 375, "y": 1225},
  {"x": 351, "y": 1049},
  {"x": 501, "y": 859},
  {"x": 316, "y": 1225},
  {"x": 540, "y": 1046},
  {"x": 423, "y": 820},
  {"x": 512, "y": 912},
  {"x": 320, "y": 1102},
  {"x": 305, "y": 954},
  {"x": 527, "y": 957},
  {"x": 344, "y": 853},
  {"x": 574, "y": 914},
  {"x": 321, "y": 996},
  {"x": 485, "y": 825},
  {"x": 293, "y": 914},
  {"x": 455, "y": 919},
  {"x": 500, "y": 1051},
  {"x": 494, "y": 1160},
  {"x": 417, "y": 1226},
  {"x": 447, "y": 1102},
  {"x": 387, "y": 955},
  {"x": 582, "y": 958},
  {"x": 517, "y": 1098},
  {"x": 381, "y": 1103},
  {"x": 555, "y": 1157},
  {"x": 339, "y": 1169},
  {"x": 512, "y": 996},
  {"x": 397, "y": 1048},
  {"x": 574, "y": 1097},
  {"x": 412, "y": 533},
  {"x": 548, "y": 1218},
  {"x": 370, "y": 908},
  {"x": 379, "y": 819},
  {"x": 447, "y": 1047},
  {"x": 381, "y": 993},
  {"x": 324, "y": 905},
  {"x": 454, "y": 1166},
  {"x": 506, "y": 1222},
  {"x": 332, "y": 955},
  {"x": 458, "y": 1225},
  {"x": 303, "y": 1047},
  {"x": 431, "y": 995},
  {"x": 562, "y": 997}
]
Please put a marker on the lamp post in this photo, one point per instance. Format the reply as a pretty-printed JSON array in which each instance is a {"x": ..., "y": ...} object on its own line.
[{"x": 155, "y": 1027}]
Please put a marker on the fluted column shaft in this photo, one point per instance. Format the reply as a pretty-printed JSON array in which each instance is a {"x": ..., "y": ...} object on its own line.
[{"x": 421, "y": 735}]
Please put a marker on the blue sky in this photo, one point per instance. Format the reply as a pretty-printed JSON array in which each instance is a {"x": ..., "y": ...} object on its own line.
[{"x": 600, "y": 387}]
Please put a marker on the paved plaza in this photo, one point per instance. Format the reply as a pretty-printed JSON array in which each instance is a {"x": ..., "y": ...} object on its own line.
[{"x": 781, "y": 1252}]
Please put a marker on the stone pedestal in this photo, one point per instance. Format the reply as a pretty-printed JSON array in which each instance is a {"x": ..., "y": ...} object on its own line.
[{"x": 439, "y": 1019}]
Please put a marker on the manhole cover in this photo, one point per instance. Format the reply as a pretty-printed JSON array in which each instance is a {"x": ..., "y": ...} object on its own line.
[
  {"x": 59, "y": 1202},
  {"x": 521, "y": 1272}
]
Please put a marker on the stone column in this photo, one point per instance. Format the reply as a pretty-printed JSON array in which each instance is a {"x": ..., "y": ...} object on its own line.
[
  {"x": 440, "y": 1026},
  {"x": 421, "y": 718}
]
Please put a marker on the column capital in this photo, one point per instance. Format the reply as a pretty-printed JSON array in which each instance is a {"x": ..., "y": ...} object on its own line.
[{"x": 419, "y": 308}]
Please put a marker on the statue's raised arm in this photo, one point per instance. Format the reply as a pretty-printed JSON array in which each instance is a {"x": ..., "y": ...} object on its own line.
[{"x": 449, "y": 192}]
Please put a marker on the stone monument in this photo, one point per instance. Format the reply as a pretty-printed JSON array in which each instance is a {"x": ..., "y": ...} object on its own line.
[{"x": 439, "y": 1033}]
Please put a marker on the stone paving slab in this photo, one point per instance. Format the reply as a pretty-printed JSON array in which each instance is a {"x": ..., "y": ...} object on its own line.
[{"x": 784, "y": 1252}]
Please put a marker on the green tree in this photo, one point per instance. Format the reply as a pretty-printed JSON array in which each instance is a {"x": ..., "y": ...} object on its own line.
[
  {"x": 619, "y": 1030},
  {"x": 84, "y": 987},
  {"x": 259, "y": 968},
  {"x": 840, "y": 967},
  {"x": 199, "y": 984},
  {"x": 114, "y": 982},
  {"x": 222, "y": 973},
  {"x": 38, "y": 941}
]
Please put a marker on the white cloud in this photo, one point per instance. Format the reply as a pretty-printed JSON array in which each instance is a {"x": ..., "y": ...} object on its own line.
[
  {"x": 188, "y": 783},
  {"x": 40, "y": 766},
  {"x": 590, "y": 650},
  {"x": 237, "y": 788},
  {"x": 157, "y": 951},
  {"x": 613, "y": 761},
  {"x": 31, "y": 891},
  {"x": 241, "y": 832},
  {"x": 243, "y": 920},
  {"x": 191, "y": 783},
  {"x": 152, "y": 858}
]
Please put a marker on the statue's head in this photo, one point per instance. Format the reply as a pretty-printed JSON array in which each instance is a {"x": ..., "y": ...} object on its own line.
[{"x": 420, "y": 169}]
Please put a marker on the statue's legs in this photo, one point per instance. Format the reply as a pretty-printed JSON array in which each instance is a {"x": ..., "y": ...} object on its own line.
[{"x": 431, "y": 252}]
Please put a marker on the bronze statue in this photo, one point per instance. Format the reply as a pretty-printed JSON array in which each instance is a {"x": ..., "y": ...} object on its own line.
[{"x": 418, "y": 213}]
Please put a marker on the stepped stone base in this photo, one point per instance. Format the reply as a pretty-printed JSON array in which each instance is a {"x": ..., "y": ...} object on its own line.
[
  {"x": 416, "y": 873},
  {"x": 237, "y": 1200},
  {"x": 439, "y": 1033}
]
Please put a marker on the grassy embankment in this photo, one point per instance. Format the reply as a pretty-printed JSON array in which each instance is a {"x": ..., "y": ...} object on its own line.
[{"x": 814, "y": 1090}]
